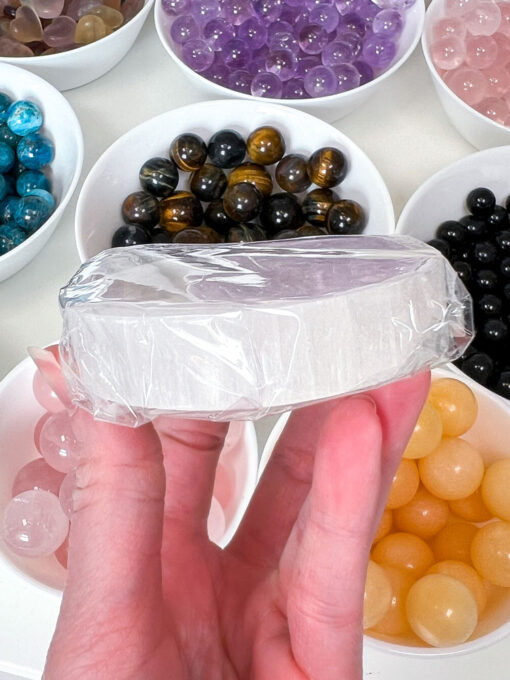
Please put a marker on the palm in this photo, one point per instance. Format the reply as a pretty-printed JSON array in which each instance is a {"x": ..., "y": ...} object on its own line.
[{"x": 148, "y": 596}]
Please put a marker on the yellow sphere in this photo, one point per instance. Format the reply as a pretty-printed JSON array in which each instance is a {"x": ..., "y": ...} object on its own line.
[
  {"x": 466, "y": 575},
  {"x": 427, "y": 433},
  {"x": 496, "y": 488},
  {"x": 453, "y": 470},
  {"x": 456, "y": 405},
  {"x": 490, "y": 552},
  {"x": 425, "y": 515},
  {"x": 471, "y": 508},
  {"x": 394, "y": 622},
  {"x": 454, "y": 542},
  {"x": 404, "y": 485},
  {"x": 377, "y": 598},
  {"x": 404, "y": 551}
]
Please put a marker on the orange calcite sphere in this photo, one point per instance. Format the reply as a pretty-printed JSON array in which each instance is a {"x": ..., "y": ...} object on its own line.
[
  {"x": 385, "y": 525},
  {"x": 427, "y": 433},
  {"x": 404, "y": 485},
  {"x": 377, "y": 597},
  {"x": 454, "y": 542},
  {"x": 471, "y": 508},
  {"x": 490, "y": 552},
  {"x": 453, "y": 470},
  {"x": 425, "y": 515},
  {"x": 496, "y": 488},
  {"x": 394, "y": 622},
  {"x": 404, "y": 551},
  {"x": 466, "y": 575},
  {"x": 456, "y": 405}
]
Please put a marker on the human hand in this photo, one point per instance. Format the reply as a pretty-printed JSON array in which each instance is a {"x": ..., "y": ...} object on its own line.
[{"x": 149, "y": 597}]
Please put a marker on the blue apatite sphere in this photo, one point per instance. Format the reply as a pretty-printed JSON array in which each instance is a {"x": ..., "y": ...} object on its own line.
[
  {"x": 11, "y": 184},
  {"x": 46, "y": 197},
  {"x": 7, "y": 157},
  {"x": 3, "y": 187},
  {"x": 35, "y": 151},
  {"x": 8, "y": 136},
  {"x": 5, "y": 245},
  {"x": 5, "y": 102},
  {"x": 18, "y": 168},
  {"x": 24, "y": 117},
  {"x": 31, "y": 212},
  {"x": 30, "y": 180},
  {"x": 8, "y": 208},
  {"x": 14, "y": 233}
]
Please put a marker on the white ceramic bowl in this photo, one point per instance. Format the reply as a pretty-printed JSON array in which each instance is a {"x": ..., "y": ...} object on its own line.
[
  {"x": 67, "y": 70},
  {"x": 115, "y": 174},
  {"x": 328, "y": 108},
  {"x": 479, "y": 130},
  {"x": 443, "y": 196},
  {"x": 62, "y": 127},
  {"x": 31, "y": 588},
  {"x": 490, "y": 435}
]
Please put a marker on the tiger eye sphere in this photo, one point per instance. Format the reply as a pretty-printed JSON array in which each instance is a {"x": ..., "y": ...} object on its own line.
[
  {"x": 197, "y": 235},
  {"x": 327, "y": 167},
  {"x": 285, "y": 233},
  {"x": 242, "y": 202},
  {"x": 141, "y": 208},
  {"x": 159, "y": 176},
  {"x": 309, "y": 230},
  {"x": 226, "y": 149},
  {"x": 208, "y": 182},
  {"x": 254, "y": 174},
  {"x": 216, "y": 218},
  {"x": 180, "y": 211},
  {"x": 245, "y": 233},
  {"x": 345, "y": 217},
  {"x": 265, "y": 145},
  {"x": 292, "y": 173},
  {"x": 281, "y": 211},
  {"x": 317, "y": 204},
  {"x": 188, "y": 151}
]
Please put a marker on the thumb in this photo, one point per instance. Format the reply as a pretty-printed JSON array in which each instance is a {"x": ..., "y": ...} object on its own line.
[{"x": 114, "y": 565}]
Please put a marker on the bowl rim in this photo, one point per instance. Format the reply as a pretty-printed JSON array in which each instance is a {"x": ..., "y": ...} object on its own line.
[
  {"x": 478, "y": 157},
  {"x": 71, "y": 120},
  {"x": 441, "y": 83},
  {"x": 471, "y": 646},
  {"x": 229, "y": 93},
  {"x": 51, "y": 58},
  {"x": 282, "y": 109}
]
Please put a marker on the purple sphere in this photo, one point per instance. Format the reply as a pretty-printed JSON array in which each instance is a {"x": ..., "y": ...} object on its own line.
[
  {"x": 266, "y": 85},
  {"x": 282, "y": 63},
  {"x": 294, "y": 3},
  {"x": 347, "y": 6},
  {"x": 218, "y": 32},
  {"x": 312, "y": 39},
  {"x": 235, "y": 54},
  {"x": 197, "y": 54},
  {"x": 348, "y": 77},
  {"x": 311, "y": 4},
  {"x": 379, "y": 51},
  {"x": 236, "y": 11},
  {"x": 294, "y": 89},
  {"x": 279, "y": 27},
  {"x": 320, "y": 81},
  {"x": 284, "y": 41},
  {"x": 301, "y": 21},
  {"x": 353, "y": 23},
  {"x": 352, "y": 39},
  {"x": 184, "y": 28},
  {"x": 204, "y": 10},
  {"x": 325, "y": 16},
  {"x": 175, "y": 6},
  {"x": 268, "y": 10},
  {"x": 337, "y": 52},
  {"x": 289, "y": 14},
  {"x": 218, "y": 73},
  {"x": 365, "y": 70},
  {"x": 367, "y": 11},
  {"x": 306, "y": 62},
  {"x": 252, "y": 32},
  {"x": 240, "y": 81},
  {"x": 257, "y": 65},
  {"x": 388, "y": 22}
]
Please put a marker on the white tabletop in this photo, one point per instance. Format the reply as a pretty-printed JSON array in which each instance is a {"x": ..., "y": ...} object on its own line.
[{"x": 403, "y": 130}]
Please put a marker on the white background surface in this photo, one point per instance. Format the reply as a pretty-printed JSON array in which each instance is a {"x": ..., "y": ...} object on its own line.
[{"x": 405, "y": 133}]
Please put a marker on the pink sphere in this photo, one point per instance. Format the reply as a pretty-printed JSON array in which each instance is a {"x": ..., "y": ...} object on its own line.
[
  {"x": 457, "y": 8},
  {"x": 66, "y": 493},
  {"x": 448, "y": 53},
  {"x": 503, "y": 44},
  {"x": 59, "y": 446},
  {"x": 495, "y": 109},
  {"x": 449, "y": 26},
  {"x": 216, "y": 523},
  {"x": 37, "y": 475},
  {"x": 499, "y": 80},
  {"x": 481, "y": 51},
  {"x": 37, "y": 430},
  {"x": 483, "y": 19},
  {"x": 34, "y": 524},
  {"x": 45, "y": 395},
  {"x": 504, "y": 26},
  {"x": 470, "y": 85}
]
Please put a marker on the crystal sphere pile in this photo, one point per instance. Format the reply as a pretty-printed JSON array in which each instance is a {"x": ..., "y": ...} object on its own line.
[
  {"x": 233, "y": 200},
  {"x": 282, "y": 49},
  {"x": 443, "y": 544},
  {"x": 41, "y": 27},
  {"x": 470, "y": 50},
  {"x": 26, "y": 200},
  {"x": 478, "y": 247}
]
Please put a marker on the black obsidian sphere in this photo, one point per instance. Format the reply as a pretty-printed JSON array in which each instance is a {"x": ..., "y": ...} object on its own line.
[
  {"x": 141, "y": 208},
  {"x": 345, "y": 217},
  {"x": 504, "y": 267},
  {"x": 485, "y": 254},
  {"x": 242, "y": 202},
  {"x": 292, "y": 173},
  {"x": 281, "y": 211},
  {"x": 480, "y": 202},
  {"x": 475, "y": 228},
  {"x": 226, "y": 149},
  {"x": 159, "y": 176},
  {"x": 130, "y": 235},
  {"x": 494, "y": 332},
  {"x": 503, "y": 384},
  {"x": 245, "y": 233},
  {"x": 489, "y": 305},
  {"x": 478, "y": 366},
  {"x": 498, "y": 219},
  {"x": 441, "y": 245},
  {"x": 453, "y": 232},
  {"x": 464, "y": 272},
  {"x": 486, "y": 281},
  {"x": 503, "y": 242},
  {"x": 208, "y": 183},
  {"x": 160, "y": 235},
  {"x": 216, "y": 218}
]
